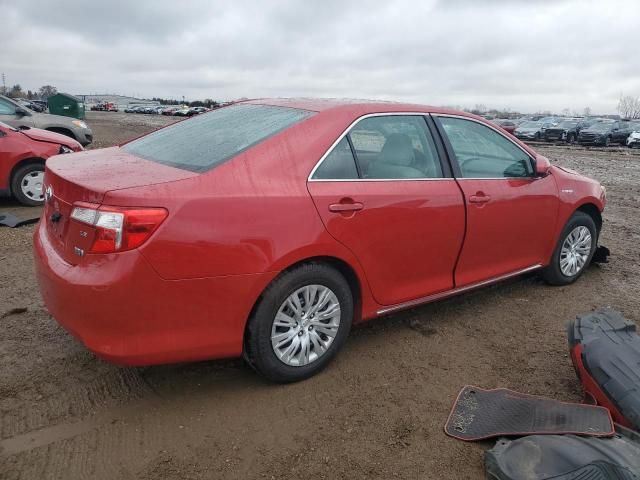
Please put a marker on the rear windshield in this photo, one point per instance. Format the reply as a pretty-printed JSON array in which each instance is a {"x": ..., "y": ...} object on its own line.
[{"x": 207, "y": 140}]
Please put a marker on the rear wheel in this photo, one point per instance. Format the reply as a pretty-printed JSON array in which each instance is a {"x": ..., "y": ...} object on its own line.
[
  {"x": 607, "y": 141},
  {"x": 574, "y": 250},
  {"x": 27, "y": 184},
  {"x": 571, "y": 138},
  {"x": 300, "y": 323}
]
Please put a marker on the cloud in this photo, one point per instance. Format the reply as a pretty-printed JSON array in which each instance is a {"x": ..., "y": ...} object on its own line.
[{"x": 524, "y": 55}]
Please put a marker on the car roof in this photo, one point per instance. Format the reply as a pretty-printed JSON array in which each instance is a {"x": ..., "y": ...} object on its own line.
[{"x": 359, "y": 107}]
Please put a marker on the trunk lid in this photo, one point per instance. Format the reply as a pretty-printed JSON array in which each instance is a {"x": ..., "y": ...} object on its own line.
[{"x": 84, "y": 178}]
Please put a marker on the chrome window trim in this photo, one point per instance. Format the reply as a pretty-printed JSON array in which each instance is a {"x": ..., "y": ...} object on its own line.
[
  {"x": 499, "y": 132},
  {"x": 344, "y": 134}
]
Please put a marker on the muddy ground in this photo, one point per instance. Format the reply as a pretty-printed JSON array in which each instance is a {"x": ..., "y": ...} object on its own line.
[{"x": 376, "y": 412}]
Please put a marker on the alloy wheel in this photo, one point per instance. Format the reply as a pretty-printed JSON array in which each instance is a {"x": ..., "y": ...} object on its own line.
[
  {"x": 305, "y": 325},
  {"x": 575, "y": 251}
]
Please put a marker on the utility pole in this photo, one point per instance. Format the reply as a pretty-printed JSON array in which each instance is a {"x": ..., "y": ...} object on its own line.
[{"x": 4, "y": 83}]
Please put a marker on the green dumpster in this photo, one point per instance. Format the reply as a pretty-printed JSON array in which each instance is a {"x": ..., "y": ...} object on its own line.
[{"x": 67, "y": 105}]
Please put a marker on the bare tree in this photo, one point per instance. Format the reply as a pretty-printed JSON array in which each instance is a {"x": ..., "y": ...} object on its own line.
[
  {"x": 46, "y": 91},
  {"x": 16, "y": 91},
  {"x": 479, "y": 109},
  {"x": 629, "y": 107},
  {"x": 587, "y": 111}
]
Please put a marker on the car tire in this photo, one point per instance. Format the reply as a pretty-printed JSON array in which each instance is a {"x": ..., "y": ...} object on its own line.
[
  {"x": 537, "y": 137},
  {"x": 607, "y": 141},
  {"x": 559, "y": 271},
  {"x": 293, "y": 331},
  {"x": 24, "y": 184},
  {"x": 571, "y": 138}
]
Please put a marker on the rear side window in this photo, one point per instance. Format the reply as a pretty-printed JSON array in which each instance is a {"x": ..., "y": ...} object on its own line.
[
  {"x": 339, "y": 164},
  {"x": 207, "y": 140},
  {"x": 395, "y": 147}
]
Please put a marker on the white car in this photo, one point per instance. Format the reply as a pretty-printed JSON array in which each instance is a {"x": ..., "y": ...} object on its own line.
[{"x": 633, "y": 140}]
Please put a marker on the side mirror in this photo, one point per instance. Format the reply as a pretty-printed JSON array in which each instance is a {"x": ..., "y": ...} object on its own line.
[
  {"x": 543, "y": 165},
  {"x": 21, "y": 112}
]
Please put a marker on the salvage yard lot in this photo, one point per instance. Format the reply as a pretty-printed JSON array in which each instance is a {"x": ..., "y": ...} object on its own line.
[{"x": 376, "y": 412}]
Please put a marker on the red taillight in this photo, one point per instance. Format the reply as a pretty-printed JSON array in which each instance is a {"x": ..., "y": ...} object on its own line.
[{"x": 118, "y": 229}]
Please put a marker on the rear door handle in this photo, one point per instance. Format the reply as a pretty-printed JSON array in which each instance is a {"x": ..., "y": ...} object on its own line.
[
  {"x": 346, "y": 207},
  {"x": 481, "y": 198}
]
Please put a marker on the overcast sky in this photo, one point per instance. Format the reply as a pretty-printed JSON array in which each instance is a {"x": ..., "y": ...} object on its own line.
[{"x": 529, "y": 55}]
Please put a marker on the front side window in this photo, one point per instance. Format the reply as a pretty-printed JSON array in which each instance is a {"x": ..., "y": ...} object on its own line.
[
  {"x": 207, "y": 140},
  {"x": 482, "y": 152},
  {"x": 395, "y": 147},
  {"x": 7, "y": 108}
]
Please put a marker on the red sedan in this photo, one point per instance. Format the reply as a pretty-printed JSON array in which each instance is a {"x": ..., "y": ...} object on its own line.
[
  {"x": 22, "y": 156},
  {"x": 268, "y": 227}
]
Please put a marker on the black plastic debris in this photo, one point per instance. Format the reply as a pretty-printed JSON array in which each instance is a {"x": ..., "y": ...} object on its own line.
[
  {"x": 478, "y": 414},
  {"x": 12, "y": 221},
  {"x": 601, "y": 255},
  {"x": 564, "y": 457},
  {"x": 605, "y": 350}
]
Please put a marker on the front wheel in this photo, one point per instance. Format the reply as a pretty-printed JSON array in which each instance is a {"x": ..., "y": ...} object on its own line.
[
  {"x": 27, "y": 184},
  {"x": 300, "y": 323},
  {"x": 574, "y": 250}
]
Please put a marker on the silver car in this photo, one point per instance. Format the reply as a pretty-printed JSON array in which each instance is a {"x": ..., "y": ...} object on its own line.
[{"x": 16, "y": 115}]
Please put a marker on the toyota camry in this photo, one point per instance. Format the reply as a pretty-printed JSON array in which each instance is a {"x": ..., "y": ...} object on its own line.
[{"x": 267, "y": 228}]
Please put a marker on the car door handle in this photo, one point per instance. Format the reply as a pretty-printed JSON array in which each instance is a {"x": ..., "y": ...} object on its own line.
[
  {"x": 479, "y": 198},
  {"x": 346, "y": 207}
]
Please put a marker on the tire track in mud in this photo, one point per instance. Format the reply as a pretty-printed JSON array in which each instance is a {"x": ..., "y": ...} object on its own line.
[{"x": 112, "y": 388}]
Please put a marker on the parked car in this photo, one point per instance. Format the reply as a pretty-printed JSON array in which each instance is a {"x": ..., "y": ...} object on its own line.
[
  {"x": 530, "y": 130},
  {"x": 565, "y": 131},
  {"x": 182, "y": 112},
  {"x": 36, "y": 107},
  {"x": 633, "y": 140},
  {"x": 14, "y": 114},
  {"x": 551, "y": 120},
  {"x": 22, "y": 156},
  {"x": 171, "y": 110},
  {"x": 599, "y": 133},
  {"x": 623, "y": 130},
  {"x": 268, "y": 227},
  {"x": 130, "y": 109},
  {"x": 506, "y": 124},
  {"x": 196, "y": 111}
]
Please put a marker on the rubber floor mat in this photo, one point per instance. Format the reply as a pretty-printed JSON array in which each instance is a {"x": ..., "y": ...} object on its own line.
[
  {"x": 605, "y": 350},
  {"x": 478, "y": 414},
  {"x": 565, "y": 457},
  {"x": 12, "y": 221}
]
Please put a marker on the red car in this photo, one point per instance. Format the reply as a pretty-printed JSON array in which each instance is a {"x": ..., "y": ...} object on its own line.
[
  {"x": 268, "y": 227},
  {"x": 507, "y": 125},
  {"x": 22, "y": 156}
]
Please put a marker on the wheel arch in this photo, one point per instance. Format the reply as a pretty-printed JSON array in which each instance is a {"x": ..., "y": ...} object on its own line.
[
  {"x": 22, "y": 163},
  {"x": 63, "y": 131},
  {"x": 594, "y": 212},
  {"x": 342, "y": 266}
]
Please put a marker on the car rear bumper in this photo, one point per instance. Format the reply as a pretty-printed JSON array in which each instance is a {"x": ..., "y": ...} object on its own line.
[{"x": 124, "y": 312}]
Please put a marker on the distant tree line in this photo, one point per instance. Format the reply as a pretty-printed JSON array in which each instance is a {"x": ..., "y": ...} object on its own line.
[{"x": 42, "y": 93}]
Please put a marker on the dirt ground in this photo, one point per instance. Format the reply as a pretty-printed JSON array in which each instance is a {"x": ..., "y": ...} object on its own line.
[{"x": 376, "y": 412}]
